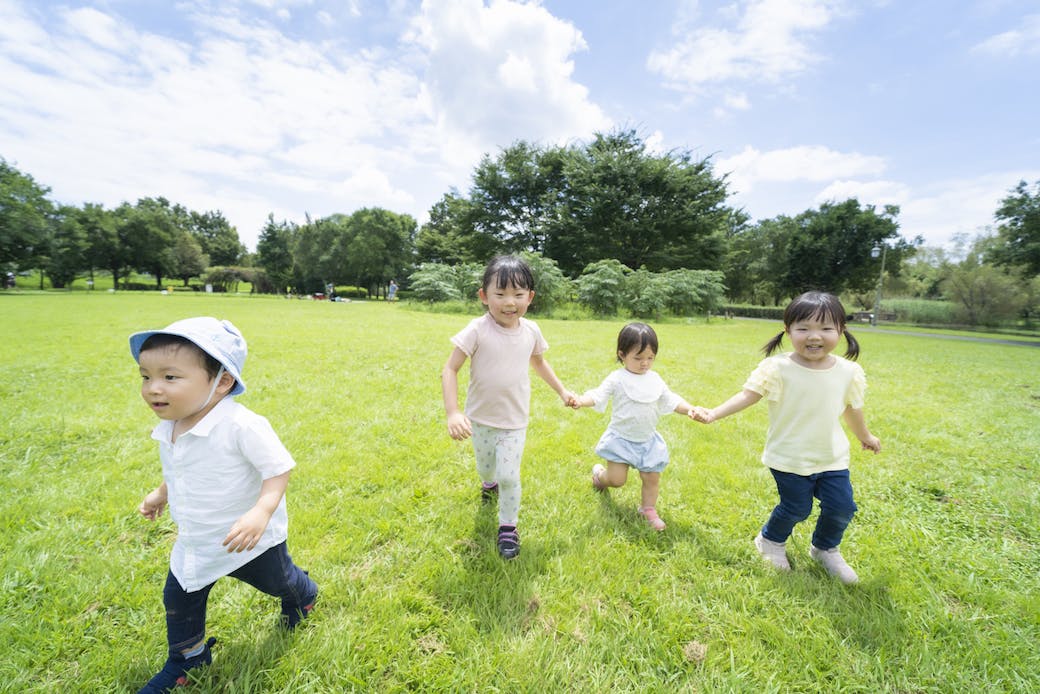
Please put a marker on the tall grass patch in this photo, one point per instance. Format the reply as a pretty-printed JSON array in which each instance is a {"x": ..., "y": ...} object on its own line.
[{"x": 385, "y": 513}]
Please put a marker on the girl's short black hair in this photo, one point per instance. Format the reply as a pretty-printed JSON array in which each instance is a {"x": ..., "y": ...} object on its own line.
[
  {"x": 506, "y": 270},
  {"x": 635, "y": 337},
  {"x": 163, "y": 340},
  {"x": 820, "y": 305}
]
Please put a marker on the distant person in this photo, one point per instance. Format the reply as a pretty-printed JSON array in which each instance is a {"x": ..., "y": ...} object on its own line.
[
  {"x": 224, "y": 476},
  {"x": 808, "y": 391},
  {"x": 391, "y": 294},
  {"x": 638, "y": 397},
  {"x": 501, "y": 345}
]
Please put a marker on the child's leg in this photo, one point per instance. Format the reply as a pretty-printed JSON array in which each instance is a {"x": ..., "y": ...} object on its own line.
[
  {"x": 274, "y": 573},
  {"x": 615, "y": 476},
  {"x": 834, "y": 490},
  {"x": 651, "y": 488},
  {"x": 185, "y": 616},
  {"x": 796, "y": 499},
  {"x": 185, "y": 635},
  {"x": 499, "y": 452}
]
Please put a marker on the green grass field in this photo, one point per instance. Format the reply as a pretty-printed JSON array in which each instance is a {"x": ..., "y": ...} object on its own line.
[{"x": 384, "y": 513}]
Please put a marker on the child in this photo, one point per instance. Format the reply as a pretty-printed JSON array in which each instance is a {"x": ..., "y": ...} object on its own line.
[
  {"x": 224, "y": 476},
  {"x": 806, "y": 449},
  {"x": 640, "y": 397},
  {"x": 500, "y": 344}
]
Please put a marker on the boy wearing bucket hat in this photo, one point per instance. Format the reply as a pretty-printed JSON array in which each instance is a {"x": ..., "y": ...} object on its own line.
[{"x": 224, "y": 477}]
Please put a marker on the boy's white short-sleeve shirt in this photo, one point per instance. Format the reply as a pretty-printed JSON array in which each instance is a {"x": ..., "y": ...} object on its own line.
[
  {"x": 213, "y": 475},
  {"x": 499, "y": 393}
]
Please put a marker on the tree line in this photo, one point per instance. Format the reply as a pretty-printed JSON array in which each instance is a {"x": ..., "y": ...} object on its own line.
[{"x": 608, "y": 199}]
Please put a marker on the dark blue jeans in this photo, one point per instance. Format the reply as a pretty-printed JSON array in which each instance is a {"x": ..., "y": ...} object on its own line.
[
  {"x": 833, "y": 489},
  {"x": 273, "y": 572}
]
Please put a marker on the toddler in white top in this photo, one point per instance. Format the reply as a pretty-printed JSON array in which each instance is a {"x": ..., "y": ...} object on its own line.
[{"x": 639, "y": 396}]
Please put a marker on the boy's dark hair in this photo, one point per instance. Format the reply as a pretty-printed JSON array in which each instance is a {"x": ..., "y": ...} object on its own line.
[
  {"x": 819, "y": 305},
  {"x": 505, "y": 270},
  {"x": 633, "y": 336},
  {"x": 162, "y": 340}
]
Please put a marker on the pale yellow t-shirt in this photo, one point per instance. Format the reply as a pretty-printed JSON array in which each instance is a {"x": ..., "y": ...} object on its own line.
[
  {"x": 499, "y": 393},
  {"x": 805, "y": 406}
]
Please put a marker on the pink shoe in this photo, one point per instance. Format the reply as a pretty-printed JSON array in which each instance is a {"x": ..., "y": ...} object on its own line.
[
  {"x": 597, "y": 473},
  {"x": 650, "y": 513}
]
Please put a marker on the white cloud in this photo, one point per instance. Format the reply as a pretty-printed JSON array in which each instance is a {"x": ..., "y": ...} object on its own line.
[
  {"x": 503, "y": 72},
  {"x": 807, "y": 163},
  {"x": 1024, "y": 40},
  {"x": 239, "y": 116},
  {"x": 770, "y": 42}
]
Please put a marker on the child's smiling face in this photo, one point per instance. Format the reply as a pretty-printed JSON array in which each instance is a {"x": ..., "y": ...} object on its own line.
[
  {"x": 508, "y": 304},
  {"x": 813, "y": 340},
  {"x": 176, "y": 384}
]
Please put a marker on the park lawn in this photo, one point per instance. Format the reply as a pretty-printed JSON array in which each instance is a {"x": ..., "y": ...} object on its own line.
[{"x": 384, "y": 513}]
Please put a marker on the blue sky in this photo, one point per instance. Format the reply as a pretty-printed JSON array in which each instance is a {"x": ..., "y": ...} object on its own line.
[{"x": 297, "y": 107}]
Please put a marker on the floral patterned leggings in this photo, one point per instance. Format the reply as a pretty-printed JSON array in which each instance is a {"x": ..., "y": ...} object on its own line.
[{"x": 498, "y": 454}]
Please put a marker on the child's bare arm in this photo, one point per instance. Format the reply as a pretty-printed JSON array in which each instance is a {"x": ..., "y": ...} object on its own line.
[
  {"x": 743, "y": 399},
  {"x": 687, "y": 409},
  {"x": 542, "y": 368},
  {"x": 458, "y": 423},
  {"x": 154, "y": 502},
  {"x": 858, "y": 423},
  {"x": 247, "y": 530}
]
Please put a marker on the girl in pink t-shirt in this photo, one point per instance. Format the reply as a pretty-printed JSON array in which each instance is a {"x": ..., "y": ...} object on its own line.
[
  {"x": 501, "y": 346},
  {"x": 808, "y": 390}
]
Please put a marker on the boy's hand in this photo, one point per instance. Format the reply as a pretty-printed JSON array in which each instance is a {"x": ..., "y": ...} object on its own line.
[
  {"x": 247, "y": 530},
  {"x": 153, "y": 504},
  {"x": 459, "y": 427}
]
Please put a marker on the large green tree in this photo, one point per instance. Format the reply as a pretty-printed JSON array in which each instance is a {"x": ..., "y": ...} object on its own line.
[
  {"x": 1018, "y": 232},
  {"x": 66, "y": 248},
  {"x": 150, "y": 230},
  {"x": 831, "y": 248},
  {"x": 609, "y": 198},
  {"x": 658, "y": 211},
  {"x": 25, "y": 213},
  {"x": 274, "y": 252},
  {"x": 217, "y": 238}
]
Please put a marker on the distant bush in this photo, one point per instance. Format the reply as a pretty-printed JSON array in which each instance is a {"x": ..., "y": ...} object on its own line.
[{"x": 921, "y": 311}]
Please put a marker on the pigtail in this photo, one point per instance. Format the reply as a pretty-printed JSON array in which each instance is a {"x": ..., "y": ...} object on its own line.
[
  {"x": 853, "y": 350},
  {"x": 774, "y": 344}
]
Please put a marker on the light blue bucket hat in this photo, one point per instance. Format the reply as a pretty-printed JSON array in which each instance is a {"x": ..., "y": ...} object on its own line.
[{"x": 217, "y": 338}]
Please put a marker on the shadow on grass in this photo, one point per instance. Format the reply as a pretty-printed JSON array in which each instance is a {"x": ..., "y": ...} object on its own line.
[{"x": 495, "y": 593}]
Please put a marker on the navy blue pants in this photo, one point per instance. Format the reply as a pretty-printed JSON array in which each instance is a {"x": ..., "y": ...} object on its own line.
[
  {"x": 273, "y": 572},
  {"x": 833, "y": 489}
]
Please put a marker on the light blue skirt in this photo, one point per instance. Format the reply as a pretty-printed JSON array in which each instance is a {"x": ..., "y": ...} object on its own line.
[{"x": 645, "y": 456}]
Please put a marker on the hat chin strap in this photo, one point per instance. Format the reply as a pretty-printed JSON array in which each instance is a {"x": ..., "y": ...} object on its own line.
[{"x": 216, "y": 382}]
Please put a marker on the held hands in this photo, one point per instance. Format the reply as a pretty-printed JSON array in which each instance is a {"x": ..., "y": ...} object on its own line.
[
  {"x": 570, "y": 399},
  {"x": 459, "y": 427},
  {"x": 247, "y": 530},
  {"x": 153, "y": 504},
  {"x": 702, "y": 415}
]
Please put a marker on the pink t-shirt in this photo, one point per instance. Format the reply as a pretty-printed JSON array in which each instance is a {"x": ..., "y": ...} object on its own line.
[{"x": 499, "y": 393}]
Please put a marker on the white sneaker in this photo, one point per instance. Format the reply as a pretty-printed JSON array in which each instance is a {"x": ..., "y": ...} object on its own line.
[
  {"x": 835, "y": 564},
  {"x": 773, "y": 552}
]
